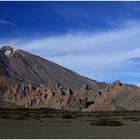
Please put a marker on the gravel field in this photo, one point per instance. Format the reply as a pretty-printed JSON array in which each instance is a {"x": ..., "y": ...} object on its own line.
[{"x": 65, "y": 128}]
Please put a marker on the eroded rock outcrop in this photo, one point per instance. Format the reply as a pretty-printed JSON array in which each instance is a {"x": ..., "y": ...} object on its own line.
[
  {"x": 116, "y": 96},
  {"x": 17, "y": 92},
  {"x": 50, "y": 96}
]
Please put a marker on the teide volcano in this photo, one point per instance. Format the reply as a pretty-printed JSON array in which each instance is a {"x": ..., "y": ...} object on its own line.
[
  {"x": 30, "y": 81},
  {"x": 19, "y": 65}
]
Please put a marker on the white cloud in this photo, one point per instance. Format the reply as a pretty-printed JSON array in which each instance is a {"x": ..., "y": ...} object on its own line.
[
  {"x": 4, "y": 22},
  {"x": 102, "y": 56}
]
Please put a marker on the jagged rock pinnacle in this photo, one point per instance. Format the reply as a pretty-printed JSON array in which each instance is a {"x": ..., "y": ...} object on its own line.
[{"x": 116, "y": 83}]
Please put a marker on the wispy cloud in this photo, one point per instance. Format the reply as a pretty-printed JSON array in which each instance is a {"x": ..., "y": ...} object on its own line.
[
  {"x": 4, "y": 22},
  {"x": 104, "y": 56}
]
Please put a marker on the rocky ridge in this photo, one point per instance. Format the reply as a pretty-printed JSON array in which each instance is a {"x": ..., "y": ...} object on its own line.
[{"x": 58, "y": 97}]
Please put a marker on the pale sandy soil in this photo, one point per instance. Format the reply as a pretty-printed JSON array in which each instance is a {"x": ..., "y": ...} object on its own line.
[{"x": 65, "y": 128}]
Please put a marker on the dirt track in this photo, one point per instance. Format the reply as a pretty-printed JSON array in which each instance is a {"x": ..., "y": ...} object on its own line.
[{"x": 65, "y": 128}]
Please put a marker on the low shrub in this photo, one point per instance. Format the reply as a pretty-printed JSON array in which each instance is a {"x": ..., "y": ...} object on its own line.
[
  {"x": 106, "y": 122},
  {"x": 132, "y": 118},
  {"x": 5, "y": 116},
  {"x": 20, "y": 118},
  {"x": 69, "y": 116},
  {"x": 89, "y": 115}
]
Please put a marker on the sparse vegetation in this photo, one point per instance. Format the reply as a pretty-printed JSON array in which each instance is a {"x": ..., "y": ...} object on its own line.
[
  {"x": 69, "y": 116},
  {"x": 132, "y": 118},
  {"x": 106, "y": 122},
  {"x": 94, "y": 118}
]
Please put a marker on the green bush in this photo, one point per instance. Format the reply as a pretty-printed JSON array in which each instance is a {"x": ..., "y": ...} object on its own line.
[
  {"x": 106, "y": 122},
  {"x": 89, "y": 115},
  {"x": 5, "y": 116},
  {"x": 133, "y": 118},
  {"x": 20, "y": 118},
  {"x": 69, "y": 116}
]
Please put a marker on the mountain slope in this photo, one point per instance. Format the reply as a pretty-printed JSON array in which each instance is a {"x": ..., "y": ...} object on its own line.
[{"x": 23, "y": 66}]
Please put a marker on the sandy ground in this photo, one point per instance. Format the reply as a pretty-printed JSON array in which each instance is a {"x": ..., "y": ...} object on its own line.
[{"x": 65, "y": 128}]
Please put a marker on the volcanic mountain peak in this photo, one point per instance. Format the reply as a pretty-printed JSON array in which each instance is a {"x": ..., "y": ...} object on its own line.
[
  {"x": 8, "y": 50},
  {"x": 22, "y": 66},
  {"x": 6, "y": 47}
]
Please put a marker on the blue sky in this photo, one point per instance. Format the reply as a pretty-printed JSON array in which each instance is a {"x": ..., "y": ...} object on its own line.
[{"x": 100, "y": 40}]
